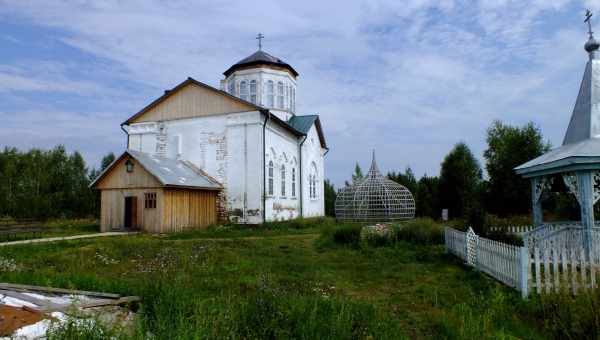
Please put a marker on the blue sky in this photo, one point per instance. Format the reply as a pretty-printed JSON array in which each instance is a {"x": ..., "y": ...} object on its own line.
[{"x": 407, "y": 78}]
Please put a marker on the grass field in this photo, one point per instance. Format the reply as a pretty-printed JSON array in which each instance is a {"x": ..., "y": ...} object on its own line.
[
  {"x": 54, "y": 228},
  {"x": 279, "y": 282}
]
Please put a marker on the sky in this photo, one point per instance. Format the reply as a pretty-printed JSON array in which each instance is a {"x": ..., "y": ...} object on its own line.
[{"x": 408, "y": 78}]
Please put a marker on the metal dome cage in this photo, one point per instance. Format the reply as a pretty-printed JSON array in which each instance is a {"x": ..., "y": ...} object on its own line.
[{"x": 374, "y": 198}]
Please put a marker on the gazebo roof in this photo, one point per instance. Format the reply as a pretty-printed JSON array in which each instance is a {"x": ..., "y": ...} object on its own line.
[{"x": 581, "y": 145}]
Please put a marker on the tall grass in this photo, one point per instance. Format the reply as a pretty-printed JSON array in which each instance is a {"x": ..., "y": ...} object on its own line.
[{"x": 421, "y": 231}]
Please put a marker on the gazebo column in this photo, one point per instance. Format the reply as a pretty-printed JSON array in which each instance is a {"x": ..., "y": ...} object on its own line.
[
  {"x": 586, "y": 203},
  {"x": 536, "y": 202}
]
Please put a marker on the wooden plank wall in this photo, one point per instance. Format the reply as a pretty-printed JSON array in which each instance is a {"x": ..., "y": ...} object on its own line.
[
  {"x": 193, "y": 101},
  {"x": 185, "y": 209},
  {"x": 119, "y": 178},
  {"x": 112, "y": 210}
]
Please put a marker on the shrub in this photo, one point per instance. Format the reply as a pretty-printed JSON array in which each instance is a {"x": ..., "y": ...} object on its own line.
[
  {"x": 347, "y": 234},
  {"x": 421, "y": 231},
  {"x": 571, "y": 317},
  {"x": 377, "y": 235},
  {"x": 301, "y": 223}
]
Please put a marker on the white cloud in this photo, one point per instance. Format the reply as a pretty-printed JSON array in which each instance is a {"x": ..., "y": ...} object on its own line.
[{"x": 409, "y": 78}]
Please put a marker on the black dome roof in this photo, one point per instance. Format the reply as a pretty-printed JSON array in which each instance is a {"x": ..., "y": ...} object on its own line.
[{"x": 257, "y": 58}]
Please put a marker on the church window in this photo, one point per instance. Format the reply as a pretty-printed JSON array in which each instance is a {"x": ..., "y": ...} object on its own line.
[
  {"x": 232, "y": 88},
  {"x": 270, "y": 191},
  {"x": 293, "y": 99},
  {"x": 293, "y": 182},
  {"x": 283, "y": 180},
  {"x": 270, "y": 93},
  {"x": 244, "y": 90},
  {"x": 287, "y": 96},
  {"x": 280, "y": 95},
  {"x": 253, "y": 91},
  {"x": 310, "y": 186}
]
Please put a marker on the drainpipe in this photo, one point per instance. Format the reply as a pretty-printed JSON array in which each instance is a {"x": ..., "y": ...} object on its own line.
[
  {"x": 127, "y": 133},
  {"x": 301, "y": 178},
  {"x": 267, "y": 117}
]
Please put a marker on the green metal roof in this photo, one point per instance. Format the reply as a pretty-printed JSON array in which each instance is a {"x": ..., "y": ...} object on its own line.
[{"x": 302, "y": 123}]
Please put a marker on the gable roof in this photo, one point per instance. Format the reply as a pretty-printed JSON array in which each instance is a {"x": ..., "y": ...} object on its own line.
[
  {"x": 188, "y": 81},
  {"x": 260, "y": 57},
  {"x": 303, "y": 124},
  {"x": 169, "y": 172}
]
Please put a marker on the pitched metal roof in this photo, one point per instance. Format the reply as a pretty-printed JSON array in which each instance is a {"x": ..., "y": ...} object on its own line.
[
  {"x": 260, "y": 57},
  {"x": 581, "y": 145},
  {"x": 303, "y": 124},
  {"x": 169, "y": 172}
]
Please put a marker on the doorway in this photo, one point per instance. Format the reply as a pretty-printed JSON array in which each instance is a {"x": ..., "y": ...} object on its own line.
[{"x": 131, "y": 213}]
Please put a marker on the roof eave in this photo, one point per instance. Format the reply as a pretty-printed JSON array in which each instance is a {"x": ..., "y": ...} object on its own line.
[{"x": 573, "y": 163}]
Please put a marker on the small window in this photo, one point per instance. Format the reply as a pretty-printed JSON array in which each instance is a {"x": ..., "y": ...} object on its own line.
[
  {"x": 232, "y": 88},
  {"x": 150, "y": 200},
  {"x": 293, "y": 182},
  {"x": 270, "y": 93},
  {"x": 293, "y": 99},
  {"x": 270, "y": 191},
  {"x": 244, "y": 90},
  {"x": 253, "y": 91},
  {"x": 280, "y": 95},
  {"x": 283, "y": 181}
]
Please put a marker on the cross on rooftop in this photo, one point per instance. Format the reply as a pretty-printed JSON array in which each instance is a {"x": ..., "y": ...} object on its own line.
[
  {"x": 588, "y": 17},
  {"x": 260, "y": 37}
]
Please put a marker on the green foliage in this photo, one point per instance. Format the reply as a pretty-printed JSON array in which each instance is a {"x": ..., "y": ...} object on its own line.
[
  {"x": 509, "y": 147},
  {"x": 297, "y": 223},
  {"x": 330, "y": 196},
  {"x": 421, "y": 231},
  {"x": 427, "y": 197},
  {"x": 44, "y": 184},
  {"x": 74, "y": 329},
  {"x": 347, "y": 234},
  {"x": 358, "y": 174},
  {"x": 407, "y": 179},
  {"x": 460, "y": 177},
  {"x": 570, "y": 317}
]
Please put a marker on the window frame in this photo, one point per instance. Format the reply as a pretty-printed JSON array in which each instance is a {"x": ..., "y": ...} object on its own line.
[
  {"x": 280, "y": 92},
  {"x": 270, "y": 93},
  {"x": 294, "y": 182},
  {"x": 244, "y": 90},
  {"x": 270, "y": 182},
  {"x": 253, "y": 89},
  {"x": 232, "y": 88},
  {"x": 283, "y": 191},
  {"x": 150, "y": 199}
]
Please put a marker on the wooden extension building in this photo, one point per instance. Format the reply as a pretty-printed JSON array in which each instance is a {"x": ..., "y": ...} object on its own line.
[{"x": 140, "y": 191}]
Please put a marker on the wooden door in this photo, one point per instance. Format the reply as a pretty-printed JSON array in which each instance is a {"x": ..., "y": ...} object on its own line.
[{"x": 131, "y": 212}]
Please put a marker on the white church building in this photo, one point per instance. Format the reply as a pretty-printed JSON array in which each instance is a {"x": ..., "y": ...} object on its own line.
[{"x": 258, "y": 157}]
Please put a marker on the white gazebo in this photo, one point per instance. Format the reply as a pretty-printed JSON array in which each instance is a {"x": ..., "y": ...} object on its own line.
[{"x": 577, "y": 161}]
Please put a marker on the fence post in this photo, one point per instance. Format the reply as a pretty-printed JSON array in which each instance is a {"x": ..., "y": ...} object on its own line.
[{"x": 524, "y": 271}]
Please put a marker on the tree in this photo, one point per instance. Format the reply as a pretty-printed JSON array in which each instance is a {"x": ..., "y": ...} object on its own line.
[
  {"x": 106, "y": 161},
  {"x": 330, "y": 195},
  {"x": 358, "y": 174},
  {"x": 407, "y": 179},
  {"x": 460, "y": 176},
  {"x": 508, "y": 147},
  {"x": 427, "y": 197}
]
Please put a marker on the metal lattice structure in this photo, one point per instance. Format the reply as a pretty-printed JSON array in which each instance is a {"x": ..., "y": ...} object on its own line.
[{"x": 374, "y": 198}]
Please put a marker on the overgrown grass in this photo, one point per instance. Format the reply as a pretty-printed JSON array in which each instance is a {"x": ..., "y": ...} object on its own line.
[
  {"x": 421, "y": 231},
  {"x": 276, "y": 287}
]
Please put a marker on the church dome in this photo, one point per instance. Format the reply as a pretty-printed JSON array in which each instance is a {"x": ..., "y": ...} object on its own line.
[
  {"x": 374, "y": 199},
  {"x": 591, "y": 45},
  {"x": 257, "y": 58}
]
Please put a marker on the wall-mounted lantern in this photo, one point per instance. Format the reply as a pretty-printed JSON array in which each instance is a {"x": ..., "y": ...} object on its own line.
[{"x": 129, "y": 165}]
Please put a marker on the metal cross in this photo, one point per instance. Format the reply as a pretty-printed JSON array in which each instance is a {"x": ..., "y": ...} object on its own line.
[
  {"x": 260, "y": 37},
  {"x": 588, "y": 17}
]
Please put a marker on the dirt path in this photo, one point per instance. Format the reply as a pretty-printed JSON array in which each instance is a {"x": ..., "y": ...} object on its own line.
[{"x": 63, "y": 238}]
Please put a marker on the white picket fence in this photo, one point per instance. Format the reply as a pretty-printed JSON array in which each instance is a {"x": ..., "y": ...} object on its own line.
[
  {"x": 553, "y": 269},
  {"x": 513, "y": 229},
  {"x": 541, "y": 270},
  {"x": 506, "y": 263}
]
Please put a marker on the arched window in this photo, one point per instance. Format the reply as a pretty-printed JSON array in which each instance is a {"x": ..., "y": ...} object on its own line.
[
  {"x": 253, "y": 91},
  {"x": 270, "y": 93},
  {"x": 270, "y": 175},
  {"x": 244, "y": 90},
  {"x": 280, "y": 95},
  {"x": 311, "y": 186},
  {"x": 232, "y": 88},
  {"x": 293, "y": 182},
  {"x": 283, "y": 180}
]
